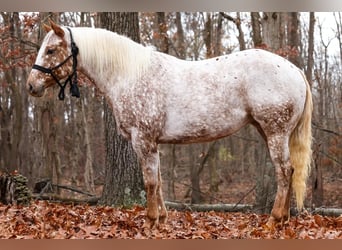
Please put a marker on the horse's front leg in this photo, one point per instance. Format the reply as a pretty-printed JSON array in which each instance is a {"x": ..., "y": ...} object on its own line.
[
  {"x": 161, "y": 204},
  {"x": 147, "y": 152},
  {"x": 156, "y": 210}
]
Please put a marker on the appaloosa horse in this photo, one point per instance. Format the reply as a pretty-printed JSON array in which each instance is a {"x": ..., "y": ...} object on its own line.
[{"x": 157, "y": 98}]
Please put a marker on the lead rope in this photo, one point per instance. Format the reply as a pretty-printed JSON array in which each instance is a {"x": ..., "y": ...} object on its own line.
[
  {"x": 74, "y": 90},
  {"x": 72, "y": 79}
]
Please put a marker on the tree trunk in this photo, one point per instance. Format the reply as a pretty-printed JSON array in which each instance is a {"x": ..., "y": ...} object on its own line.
[
  {"x": 317, "y": 178},
  {"x": 207, "y": 36},
  {"x": 12, "y": 113},
  {"x": 180, "y": 43},
  {"x": 273, "y": 30},
  {"x": 311, "y": 45},
  {"x": 123, "y": 176},
  {"x": 214, "y": 177},
  {"x": 218, "y": 36},
  {"x": 241, "y": 37},
  {"x": 293, "y": 40},
  {"x": 256, "y": 29},
  {"x": 196, "y": 196},
  {"x": 88, "y": 165},
  {"x": 338, "y": 20},
  {"x": 162, "y": 27}
]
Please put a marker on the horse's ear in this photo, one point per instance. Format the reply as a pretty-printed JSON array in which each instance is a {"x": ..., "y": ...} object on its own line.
[
  {"x": 46, "y": 28},
  {"x": 57, "y": 29}
]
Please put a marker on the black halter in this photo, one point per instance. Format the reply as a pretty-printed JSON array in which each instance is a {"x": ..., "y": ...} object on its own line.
[{"x": 72, "y": 78}]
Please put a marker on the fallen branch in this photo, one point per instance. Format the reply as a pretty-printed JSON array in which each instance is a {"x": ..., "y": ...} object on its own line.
[
  {"x": 210, "y": 207},
  {"x": 328, "y": 211},
  {"x": 66, "y": 200},
  {"x": 73, "y": 189},
  {"x": 45, "y": 186}
]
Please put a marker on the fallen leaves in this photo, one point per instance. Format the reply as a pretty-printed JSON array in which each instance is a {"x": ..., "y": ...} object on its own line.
[{"x": 56, "y": 221}]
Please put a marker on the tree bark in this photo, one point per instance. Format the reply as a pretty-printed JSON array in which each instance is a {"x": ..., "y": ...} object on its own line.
[
  {"x": 88, "y": 165},
  {"x": 273, "y": 30},
  {"x": 162, "y": 27},
  {"x": 180, "y": 42},
  {"x": 218, "y": 36},
  {"x": 317, "y": 178},
  {"x": 196, "y": 194},
  {"x": 123, "y": 177},
  {"x": 311, "y": 45},
  {"x": 12, "y": 112},
  {"x": 207, "y": 36},
  {"x": 293, "y": 41},
  {"x": 256, "y": 29},
  {"x": 241, "y": 37}
]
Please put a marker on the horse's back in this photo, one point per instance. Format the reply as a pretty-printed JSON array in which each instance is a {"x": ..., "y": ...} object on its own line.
[{"x": 216, "y": 97}]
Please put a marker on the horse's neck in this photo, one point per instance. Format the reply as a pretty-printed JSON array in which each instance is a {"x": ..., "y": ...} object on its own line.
[{"x": 110, "y": 59}]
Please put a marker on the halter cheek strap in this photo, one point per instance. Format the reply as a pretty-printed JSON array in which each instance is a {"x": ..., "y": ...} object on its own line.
[{"x": 72, "y": 78}]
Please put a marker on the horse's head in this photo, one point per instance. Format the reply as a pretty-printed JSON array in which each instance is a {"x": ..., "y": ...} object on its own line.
[{"x": 56, "y": 61}]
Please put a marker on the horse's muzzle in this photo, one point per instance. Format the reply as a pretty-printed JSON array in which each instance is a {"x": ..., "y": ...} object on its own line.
[{"x": 34, "y": 91}]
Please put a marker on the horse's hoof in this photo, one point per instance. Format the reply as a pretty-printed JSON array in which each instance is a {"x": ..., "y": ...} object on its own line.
[
  {"x": 151, "y": 223},
  {"x": 271, "y": 223},
  {"x": 163, "y": 219}
]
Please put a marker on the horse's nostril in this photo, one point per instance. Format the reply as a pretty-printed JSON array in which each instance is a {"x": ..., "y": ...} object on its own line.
[{"x": 30, "y": 87}]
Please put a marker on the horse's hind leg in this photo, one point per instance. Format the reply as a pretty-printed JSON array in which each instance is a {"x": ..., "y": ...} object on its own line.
[{"x": 280, "y": 155}]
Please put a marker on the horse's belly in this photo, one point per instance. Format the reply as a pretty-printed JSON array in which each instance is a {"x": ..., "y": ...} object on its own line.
[
  {"x": 181, "y": 130},
  {"x": 201, "y": 136}
]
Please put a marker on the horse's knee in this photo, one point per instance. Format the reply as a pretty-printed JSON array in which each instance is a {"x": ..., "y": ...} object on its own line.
[{"x": 151, "y": 187}]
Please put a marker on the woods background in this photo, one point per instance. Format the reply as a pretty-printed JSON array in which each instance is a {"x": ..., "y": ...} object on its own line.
[{"x": 65, "y": 143}]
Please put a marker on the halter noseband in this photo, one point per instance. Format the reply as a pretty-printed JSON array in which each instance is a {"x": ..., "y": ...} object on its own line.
[{"x": 72, "y": 79}]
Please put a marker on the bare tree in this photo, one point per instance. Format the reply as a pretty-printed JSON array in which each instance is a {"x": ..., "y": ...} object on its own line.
[
  {"x": 293, "y": 39},
  {"x": 123, "y": 176},
  {"x": 256, "y": 29},
  {"x": 310, "y": 63},
  {"x": 237, "y": 22}
]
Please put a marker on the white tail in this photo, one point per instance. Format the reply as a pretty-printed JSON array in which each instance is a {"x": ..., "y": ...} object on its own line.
[{"x": 300, "y": 150}]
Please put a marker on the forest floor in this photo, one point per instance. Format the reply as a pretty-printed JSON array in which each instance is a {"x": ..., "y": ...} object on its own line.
[
  {"x": 46, "y": 220},
  {"x": 42, "y": 219}
]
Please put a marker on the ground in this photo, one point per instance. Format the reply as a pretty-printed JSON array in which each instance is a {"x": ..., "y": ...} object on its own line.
[
  {"x": 47, "y": 220},
  {"x": 55, "y": 221}
]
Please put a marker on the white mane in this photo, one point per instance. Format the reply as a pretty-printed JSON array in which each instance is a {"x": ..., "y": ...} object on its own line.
[{"x": 109, "y": 52}]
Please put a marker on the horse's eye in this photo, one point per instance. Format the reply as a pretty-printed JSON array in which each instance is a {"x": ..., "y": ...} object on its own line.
[{"x": 50, "y": 51}]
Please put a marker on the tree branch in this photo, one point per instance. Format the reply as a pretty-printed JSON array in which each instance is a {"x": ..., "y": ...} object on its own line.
[
  {"x": 228, "y": 17},
  {"x": 210, "y": 207},
  {"x": 326, "y": 130},
  {"x": 66, "y": 200}
]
